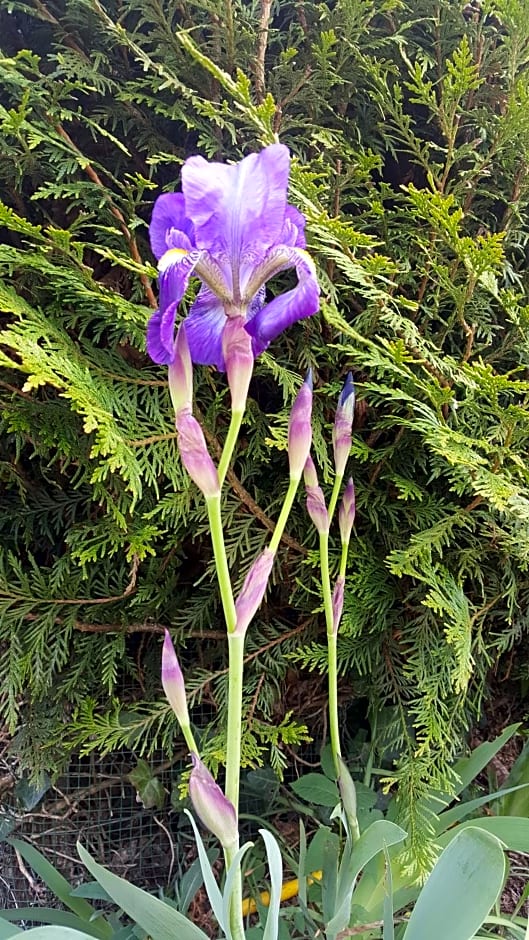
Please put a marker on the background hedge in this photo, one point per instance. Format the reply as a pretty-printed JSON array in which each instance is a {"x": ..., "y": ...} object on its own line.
[{"x": 409, "y": 127}]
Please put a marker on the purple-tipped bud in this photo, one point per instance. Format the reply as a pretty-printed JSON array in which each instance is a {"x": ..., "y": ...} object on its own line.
[
  {"x": 180, "y": 373},
  {"x": 347, "y": 511},
  {"x": 343, "y": 423},
  {"x": 337, "y": 603},
  {"x": 195, "y": 455},
  {"x": 239, "y": 359},
  {"x": 316, "y": 507},
  {"x": 173, "y": 681},
  {"x": 300, "y": 429},
  {"x": 253, "y": 590},
  {"x": 212, "y": 807}
]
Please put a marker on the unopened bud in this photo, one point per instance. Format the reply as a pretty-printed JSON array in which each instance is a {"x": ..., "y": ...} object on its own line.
[
  {"x": 253, "y": 591},
  {"x": 337, "y": 603},
  {"x": 316, "y": 506},
  {"x": 343, "y": 423},
  {"x": 195, "y": 455},
  {"x": 173, "y": 681},
  {"x": 180, "y": 373},
  {"x": 347, "y": 789},
  {"x": 300, "y": 429},
  {"x": 212, "y": 807},
  {"x": 347, "y": 512},
  {"x": 239, "y": 359}
]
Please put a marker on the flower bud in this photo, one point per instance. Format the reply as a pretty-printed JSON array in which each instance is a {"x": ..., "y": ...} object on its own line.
[
  {"x": 195, "y": 455},
  {"x": 239, "y": 359},
  {"x": 347, "y": 789},
  {"x": 337, "y": 603},
  {"x": 173, "y": 681},
  {"x": 253, "y": 590},
  {"x": 347, "y": 511},
  {"x": 180, "y": 373},
  {"x": 316, "y": 506},
  {"x": 343, "y": 423},
  {"x": 300, "y": 429},
  {"x": 212, "y": 807}
]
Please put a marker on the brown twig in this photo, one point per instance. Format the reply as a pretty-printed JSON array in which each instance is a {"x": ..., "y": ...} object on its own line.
[
  {"x": 300, "y": 760},
  {"x": 38, "y": 889},
  {"x": 288, "y": 98},
  {"x": 262, "y": 40},
  {"x": 118, "y": 215},
  {"x": 155, "y": 628},
  {"x": 244, "y": 495},
  {"x": 15, "y": 390},
  {"x": 472, "y": 505},
  {"x": 83, "y": 627},
  {"x": 71, "y": 803},
  {"x": 66, "y": 38},
  {"x": 155, "y": 439},
  {"x": 255, "y": 654},
  {"x": 253, "y": 706},
  {"x": 470, "y": 332},
  {"x": 171, "y": 847},
  {"x": 256, "y": 510}
]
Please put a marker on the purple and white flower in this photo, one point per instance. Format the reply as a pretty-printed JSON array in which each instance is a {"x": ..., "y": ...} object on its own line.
[
  {"x": 212, "y": 807},
  {"x": 347, "y": 512},
  {"x": 253, "y": 590},
  {"x": 232, "y": 227},
  {"x": 173, "y": 681},
  {"x": 300, "y": 429},
  {"x": 316, "y": 506},
  {"x": 343, "y": 423}
]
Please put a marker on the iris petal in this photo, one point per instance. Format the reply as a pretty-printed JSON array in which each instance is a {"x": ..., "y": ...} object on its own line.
[
  {"x": 204, "y": 326},
  {"x": 240, "y": 206},
  {"x": 293, "y": 232},
  {"x": 176, "y": 267},
  {"x": 287, "y": 308},
  {"x": 156, "y": 350},
  {"x": 169, "y": 213},
  {"x": 156, "y": 346}
]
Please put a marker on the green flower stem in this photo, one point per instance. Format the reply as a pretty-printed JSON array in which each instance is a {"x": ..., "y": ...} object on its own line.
[
  {"x": 331, "y": 652},
  {"x": 189, "y": 739},
  {"x": 221, "y": 562},
  {"x": 236, "y": 917},
  {"x": 333, "y": 701},
  {"x": 334, "y": 496},
  {"x": 233, "y": 751},
  {"x": 343, "y": 559},
  {"x": 229, "y": 444},
  {"x": 233, "y": 765},
  {"x": 284, "y": 514}
]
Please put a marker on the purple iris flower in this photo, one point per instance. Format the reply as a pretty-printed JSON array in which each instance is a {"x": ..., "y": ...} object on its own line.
[{"x": 232, "y": 227}]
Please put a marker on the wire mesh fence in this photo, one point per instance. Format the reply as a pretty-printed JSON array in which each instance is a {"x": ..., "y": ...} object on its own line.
[{"x": 94, "y": 802}]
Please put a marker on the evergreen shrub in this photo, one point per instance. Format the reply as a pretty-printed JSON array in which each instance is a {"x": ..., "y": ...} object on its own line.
[{"x": 410, "y": 127}]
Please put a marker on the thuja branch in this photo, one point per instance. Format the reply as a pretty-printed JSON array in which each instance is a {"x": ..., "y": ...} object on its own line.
[{"x": 118, "y": 215}]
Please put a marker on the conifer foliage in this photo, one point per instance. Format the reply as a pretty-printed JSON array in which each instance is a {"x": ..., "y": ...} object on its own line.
[{"x": 410, "y": 125}]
